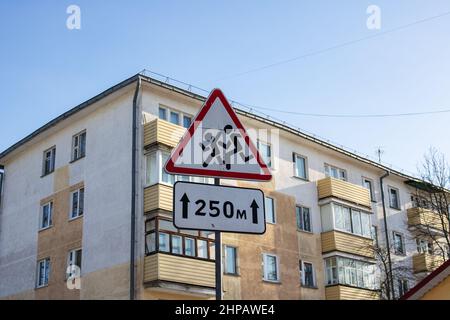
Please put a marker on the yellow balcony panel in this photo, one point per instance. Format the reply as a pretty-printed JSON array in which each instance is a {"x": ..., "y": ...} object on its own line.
[
  {"x": 158, "y": 196},
  {"x": 163, "y": 132},
  {"x": 420, "y": 217},
  {"x": 331, "y": 187},
  {"x": 425, "y": 262},
  {"x": 345, "y": 242},
  {"x": 340, "y": 292},
  {"x": 177, "y": 269}
]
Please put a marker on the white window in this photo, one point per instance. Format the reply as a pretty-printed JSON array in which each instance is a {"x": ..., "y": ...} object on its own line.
[
  {"x": 424, "y": 246},
  {"x": 335, "y": 172},
  {"x": 303, "y": 219},
  {"x": 368, "y": 184},
  {"x": 307, "y": 274},
  {"x": 79, "y": 146},
  {"x": 338, "y": 217},
  {"x": 77, "y": 203},
  {"x": 46, "y": 215},
  {"x": 270, "y": 268},
  {"x": 270, "y": 210},
  {"x": 48, "y": 163},
  {"x": 202, "y": 249},
  {"x": 43, "y": 272},
  {"x": 230, "y": 260},
  {"x": 189, "y": 247},
  {"x": 265, "y": 150},
  {"x": 356, "y": 273},
  {"x": 394, "y": 201},
  {"x": 300, "y": 166},
  {"x": 399, "y": 243},
  {"x": 73, "y": 262},
  {"x": 164, "y": 242},
  {"x": 174, "y": 116},
  {"x": 176, "y": 244}
]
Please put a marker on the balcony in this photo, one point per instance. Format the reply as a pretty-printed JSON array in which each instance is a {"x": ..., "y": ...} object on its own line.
[
  {"x": 162, "y": 132},
  {"x": 184, "y": 271},
  {"x": 158, "y": 196},
  {"x": 425, "y": 262},
  {"x": 345, "y": 242},
  {"x": 340, "y": 292},
  {"x": 420, "y": 217},
  {"x": 331, "y": 187}
]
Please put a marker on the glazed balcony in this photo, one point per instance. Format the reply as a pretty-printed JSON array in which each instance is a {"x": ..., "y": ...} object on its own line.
[
  {"x": 343, "y": 190},
  {"x": 424, "y": 218},
  {"x": 158, "y": 196}
]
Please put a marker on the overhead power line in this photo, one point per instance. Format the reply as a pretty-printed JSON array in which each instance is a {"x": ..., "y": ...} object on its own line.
[{"x": 338, "y": 46}]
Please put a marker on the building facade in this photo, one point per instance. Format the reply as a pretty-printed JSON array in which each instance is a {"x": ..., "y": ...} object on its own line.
[{"x": 86, "y": 209}]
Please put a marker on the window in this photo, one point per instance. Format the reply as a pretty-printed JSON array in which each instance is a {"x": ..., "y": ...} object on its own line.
[
  {"x": 187, "y": 121},
  {"x": 368, "y": 184},
  {"x": 265, "y": 151},
  {"x": 338, "y": 217},
  {"x": 162, "y": 113},
  {"x": 307, "y": 274},
  {"x": 155, "y": 172},
  {"x": 424, "y": 246},
  {"x": 73, "y": 262},
  {"x": 43, "y": 272},
  {"x": 394, "y": 201},
  {"x": 162, "y": 236},
  {"x": 399, "y": 244},
  {"x": 402, "y": 287},
  {"x": 77, "y": 204},
  {"x": 340, "y": 270},
  {"x": 270, "y": 210},
  {"x": 49, "y": 161},
  {"x": 174, "y": 117},
  {"x": 375, "y": 235},
  {"x": 46, "y": 216},
  {"x": 270, "y": 268},
  {"x": 303, "y": 219},
  {"x": 335, "y": 172},
  {"x": 300, "y": 166},
  {"x": 230, "y": 260},
  {"x": 79, "y": 146}
]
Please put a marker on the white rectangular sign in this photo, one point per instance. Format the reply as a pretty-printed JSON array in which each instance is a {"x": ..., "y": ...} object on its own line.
[{"x": 218, "y": 208}]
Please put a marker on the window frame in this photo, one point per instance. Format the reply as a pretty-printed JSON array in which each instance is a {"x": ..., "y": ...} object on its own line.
[
  {"x": 397, "y": 190},
  {"x": 295, "y": 156},
  {"x": 368, "y": 278},
  {"x": 47, "y": 270},
  {"x": 78, "y": 215},
  {"x": 77, "y": 263},
  {"x": 301, "y": 222},
  {"x": 273, "y": 210},
  {"x": 235, "y": 260},
  {"x": 41, "y": 215},
  {"x": 371, "y": 189},
  {"x": 181, "y": 115},
  {"x": 179, "y": 233},
  {"x": 327, "y": 170},
  {"x": 348, "y": 210},
  {"x": 81, "y": 152},
  {"x": 277, "y": 266},
  {"x": 303, "y": 274},
  {"x": 52, "y": 151},
  {"x": 402, "y": 237},
  {"x": 269, "y": 145}
]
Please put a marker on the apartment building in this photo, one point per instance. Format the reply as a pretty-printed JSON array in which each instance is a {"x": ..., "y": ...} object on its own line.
[{"x": 86, "y": 209}]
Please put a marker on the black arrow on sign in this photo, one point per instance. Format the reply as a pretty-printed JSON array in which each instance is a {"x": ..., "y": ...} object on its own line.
[
  {"x": 185, "y": 201},
  {"x": 254, "y": 207}
]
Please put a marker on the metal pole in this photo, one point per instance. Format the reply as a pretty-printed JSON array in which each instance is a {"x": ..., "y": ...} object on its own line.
[{"x": 218, "y": 257}]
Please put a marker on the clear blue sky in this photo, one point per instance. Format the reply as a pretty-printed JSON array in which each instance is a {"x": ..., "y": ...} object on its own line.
[{"x": 47, "y": 69}]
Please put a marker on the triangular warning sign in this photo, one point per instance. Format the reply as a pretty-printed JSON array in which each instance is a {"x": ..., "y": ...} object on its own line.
[{"x": 217, "y": 145}]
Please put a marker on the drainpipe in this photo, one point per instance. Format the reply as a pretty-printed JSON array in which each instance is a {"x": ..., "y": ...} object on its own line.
[
  {"x": 2, "y": 177},
  {"x": 391, "y": 279},
  {"x": 133, "y": 188}
]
